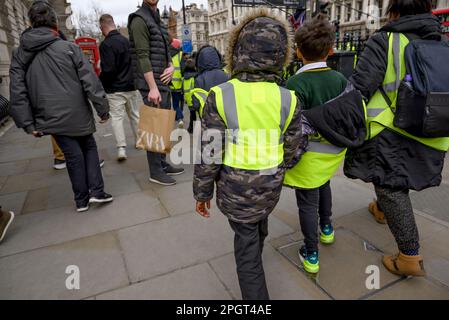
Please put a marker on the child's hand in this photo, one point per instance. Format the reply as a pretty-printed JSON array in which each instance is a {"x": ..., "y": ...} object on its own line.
[{"x": 201, "y": 208}]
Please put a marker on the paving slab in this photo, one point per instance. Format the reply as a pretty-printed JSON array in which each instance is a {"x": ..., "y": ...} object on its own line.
[
  {"x": 120, "y": 184},
  {"x": 194, "y": 283},
  {"x": 11, "y": 152},
  {"x": 433, "y": 201},
  {"x": 13, "y": 202},
  {"x": 13, "y": 168},
  {"x": 52, "y": 197},
  {"x": 284, "y": 281},
  {"x": 177, "y": 199},
  {"x": 438, "y": 243},
  {"x": 2, "y": 182},
  {"x": 34, "y": 180},
  {"x": 55, "y": 226},
  {"x": 41, "y": 274},
  {"x": 343, "y": 265},
  {"x": 162, "y": 246},
  {"x": 413, "y": 289},
  {"x": 131, "y": 165}
]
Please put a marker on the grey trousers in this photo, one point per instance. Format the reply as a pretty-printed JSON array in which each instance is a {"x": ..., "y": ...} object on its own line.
[{"x": 397, "y": 206}]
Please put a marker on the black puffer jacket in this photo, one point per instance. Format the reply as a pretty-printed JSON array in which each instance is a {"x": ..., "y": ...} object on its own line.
[
  {"x": 159, "y": 51},
  {"x": 51, "y": 82},
  {"x": 390, "y": 159},
  {"x": 210, "y": 74}
]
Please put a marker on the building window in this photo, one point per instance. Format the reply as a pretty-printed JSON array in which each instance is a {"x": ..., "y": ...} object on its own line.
[
  {"x": 338, "y": 13},
  {"x": 380, "y": 3},
  {"x": 348, "y": 12}
]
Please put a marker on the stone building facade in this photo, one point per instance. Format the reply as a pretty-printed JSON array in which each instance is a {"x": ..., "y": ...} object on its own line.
[
  {"x": 13, "y": 21},
  {"x": 197, "y": 19},
  {"x": 221, "y": 21}
]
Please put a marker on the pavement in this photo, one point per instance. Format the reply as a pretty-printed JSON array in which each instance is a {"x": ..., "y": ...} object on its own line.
[{"x": 150, "y": 244}]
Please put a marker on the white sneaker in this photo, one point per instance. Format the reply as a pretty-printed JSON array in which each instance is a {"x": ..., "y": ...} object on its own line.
[
  {"x": 181, "y": 124},
  {"x": 121, "y": 154}
]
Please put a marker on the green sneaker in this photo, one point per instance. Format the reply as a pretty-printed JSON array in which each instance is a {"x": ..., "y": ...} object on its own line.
[
  {"x": 327, "y": 234},
  {"x": 309, "y": 260}
]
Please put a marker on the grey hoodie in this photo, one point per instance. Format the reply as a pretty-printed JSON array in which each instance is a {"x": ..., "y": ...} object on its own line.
[{"x": 51, "y": 82}]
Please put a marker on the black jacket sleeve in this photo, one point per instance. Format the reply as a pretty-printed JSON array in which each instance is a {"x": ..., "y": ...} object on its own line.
[
  {"x": 90, "y": 82},
  {"x": 20, "y": 106},
  {"x": 372, "y": 65}
]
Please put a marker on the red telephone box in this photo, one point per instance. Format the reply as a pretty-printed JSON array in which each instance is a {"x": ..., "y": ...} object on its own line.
[{"x": 90, "y": 49}]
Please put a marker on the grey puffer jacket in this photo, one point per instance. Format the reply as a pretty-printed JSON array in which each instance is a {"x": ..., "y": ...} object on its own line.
[
  {"x": 51, "y": 85},
  {"x": 259, "y": 48}
]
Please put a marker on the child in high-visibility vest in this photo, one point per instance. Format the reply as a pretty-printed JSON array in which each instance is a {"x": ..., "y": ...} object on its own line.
[
  {"x": 315, "y": 84},
  {"x": 188, "y": 85}
]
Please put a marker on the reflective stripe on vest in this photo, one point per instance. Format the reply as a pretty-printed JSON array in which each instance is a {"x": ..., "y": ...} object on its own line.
[
  {"x": 201, "y": 95},
  {"x": 188, "y": 85},
  {"x": 380, "y": 115},
  {"x": 176, "y": 82},
  {"x": 257, "y": 114}
]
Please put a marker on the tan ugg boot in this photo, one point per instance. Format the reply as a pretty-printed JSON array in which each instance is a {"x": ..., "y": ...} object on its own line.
[
  {"x": 403, "y": 265},
  {"x": 377, "y": 214}
]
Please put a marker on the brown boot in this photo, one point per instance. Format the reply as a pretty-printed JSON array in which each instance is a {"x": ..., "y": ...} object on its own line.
[
  {"x": 5, "y": 221},
  {"x": 403, "y": 265},
  {"x": 377, "y": 214}
]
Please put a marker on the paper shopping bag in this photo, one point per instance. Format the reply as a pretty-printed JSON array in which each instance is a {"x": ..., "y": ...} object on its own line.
[{"x": 155, "y": 127}]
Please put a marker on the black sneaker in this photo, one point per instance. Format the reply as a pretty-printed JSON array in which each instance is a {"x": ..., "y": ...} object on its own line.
[
  {"x": 162, "y": 179},
  {"x": 172, "y": 171},
  {"x": 59, "y": 164},
  {"x": 101, "y": 163},
  {"x": 103, "y": 198},
  {"x": 83, "y": 207}
]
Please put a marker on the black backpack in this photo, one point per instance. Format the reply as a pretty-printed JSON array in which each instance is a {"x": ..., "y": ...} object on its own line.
[{"x": 422, "y": 106}]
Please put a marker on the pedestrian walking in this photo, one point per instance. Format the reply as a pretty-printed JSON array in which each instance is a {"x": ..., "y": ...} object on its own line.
[
  {"x": 393, "y": 160},
  {"x": 188, "y": 84},
  {"x": 177, "y": 81},
  {"x": 249, "y": 189},
  {"x": 210, "y": 74},
  {"x": 315, "y": 84},
  {"x": 153, "y": 72},
  {"x": 51, "y": 85},
  {"x": 118, "y": 82}
]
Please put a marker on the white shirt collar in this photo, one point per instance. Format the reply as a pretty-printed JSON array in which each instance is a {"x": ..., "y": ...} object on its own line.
[{"x": 310, "y": 66}]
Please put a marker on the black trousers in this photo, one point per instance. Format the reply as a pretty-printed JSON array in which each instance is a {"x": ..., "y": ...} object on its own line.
[
  {"x": 156, "y": 161},
  {"x": 314, "y": 203},
  {"x": 83, "y": 166},
  {"x": 248, "y": 246}
]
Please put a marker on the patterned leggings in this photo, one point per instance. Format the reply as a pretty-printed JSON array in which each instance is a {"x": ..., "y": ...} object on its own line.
[{"x": 397, "y": 206}]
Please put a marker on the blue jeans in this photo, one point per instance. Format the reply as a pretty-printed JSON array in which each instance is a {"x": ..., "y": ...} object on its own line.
[
  {"x": 83, "y": 166},
  {"x": 178, "y": 104}
]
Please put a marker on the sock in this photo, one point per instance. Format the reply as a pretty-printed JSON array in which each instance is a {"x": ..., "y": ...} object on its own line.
[{"x": 412, "y": 252}]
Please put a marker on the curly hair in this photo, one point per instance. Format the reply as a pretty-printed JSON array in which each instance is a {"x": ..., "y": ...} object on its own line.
[
  {"x": 41, "y": 14},
  {"x": 315, "y": 38}
]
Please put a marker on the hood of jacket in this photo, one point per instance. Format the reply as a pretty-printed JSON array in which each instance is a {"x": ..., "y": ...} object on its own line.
[
  {"x": 420, "y": 24},
  {"x": 208, "y": 58},
  {"x": 260, "y": 44},
  {"x": 37, "y": 39}
]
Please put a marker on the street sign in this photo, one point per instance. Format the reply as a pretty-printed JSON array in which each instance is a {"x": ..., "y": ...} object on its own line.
[
  {"x": 186, "y": 33},
  {"x": 187, "y": 46},
  {"x": 279, "y": 3}
]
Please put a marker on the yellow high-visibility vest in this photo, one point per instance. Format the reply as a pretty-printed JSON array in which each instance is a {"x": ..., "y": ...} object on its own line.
[
  {"x": 201, "y": 95},
  {"x": 176, "y": 81},
  {"x": 257, "y": 114},
  {"x": 187, "y": 87},
  {"x": 380, "y": 115}
]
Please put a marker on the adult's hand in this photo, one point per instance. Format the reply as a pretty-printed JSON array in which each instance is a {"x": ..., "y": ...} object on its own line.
[
  {"x": 167, "y": 75},
  {"x": 154, "y": 96},
  {"x": 105, "y": 118},
  {"x": 201, "y": 208}
]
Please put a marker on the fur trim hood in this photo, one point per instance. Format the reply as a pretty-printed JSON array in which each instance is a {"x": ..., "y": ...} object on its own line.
[{"x": 261, "y": 43}]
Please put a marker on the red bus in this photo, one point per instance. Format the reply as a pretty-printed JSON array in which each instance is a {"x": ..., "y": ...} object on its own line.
[{"x": 443, "y": 15}]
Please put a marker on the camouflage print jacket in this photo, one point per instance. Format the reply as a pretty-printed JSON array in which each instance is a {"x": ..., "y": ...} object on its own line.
[{"x": 247, "y": 196}]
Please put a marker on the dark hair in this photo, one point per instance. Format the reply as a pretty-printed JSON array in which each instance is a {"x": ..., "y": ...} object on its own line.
[
  {"x": 409, "y": 7},
  {"x": 41, "y": 14},
  {"x": 107, "y": 19},
  {"x": 315, "y": 38}
]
